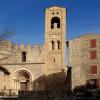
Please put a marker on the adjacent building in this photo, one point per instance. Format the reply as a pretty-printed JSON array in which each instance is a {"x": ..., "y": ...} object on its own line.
[{"x": 84, "y": 58}]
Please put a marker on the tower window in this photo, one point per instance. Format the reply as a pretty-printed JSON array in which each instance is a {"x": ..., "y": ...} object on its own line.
[
  {"x": 53, "y": 13},
  {"x": 54, "y": 75},
  {"x": 54, "y": 60},
  {"x": 57, "y": 12},
  {"x": 58, "y": 43},
  {"x": 55, "y": 22},
  {"x": 23, "y": 56},
  {"x": 53, "y": 45}
]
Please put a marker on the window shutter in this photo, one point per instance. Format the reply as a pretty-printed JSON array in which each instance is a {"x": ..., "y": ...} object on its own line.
[
  {"x": 93, "y": 43},
  {"x": 93, "y": 55},
  {"x": 94, "y": 69}
]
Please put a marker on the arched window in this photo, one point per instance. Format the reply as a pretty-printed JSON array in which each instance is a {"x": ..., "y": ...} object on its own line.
[
  {"x": 53, "y": 45},
  {"x": 55, "y": 22},
  {"x": 23, "y": 56},
  {"x": 58, "y": 44}
]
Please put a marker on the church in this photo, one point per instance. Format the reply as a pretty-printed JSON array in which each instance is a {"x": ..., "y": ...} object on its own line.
[
  {"x": 35, "y": 68},
  {"x": 43, "y": 68}
]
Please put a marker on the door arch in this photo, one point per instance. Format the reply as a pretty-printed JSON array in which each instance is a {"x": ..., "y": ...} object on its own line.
[{"x": 22, "y": 80}]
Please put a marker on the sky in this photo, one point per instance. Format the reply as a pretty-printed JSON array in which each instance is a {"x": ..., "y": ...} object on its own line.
[{"x": 26, "y": 18}]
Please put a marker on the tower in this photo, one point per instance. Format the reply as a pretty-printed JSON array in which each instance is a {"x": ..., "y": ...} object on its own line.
[{"x": 55, "y": 40}]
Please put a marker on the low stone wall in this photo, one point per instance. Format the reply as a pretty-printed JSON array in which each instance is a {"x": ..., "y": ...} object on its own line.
[
  {"x": 8, "y": 97},
  {"x": 42, "y": 95},
  {"x": 39, "y": 95}
]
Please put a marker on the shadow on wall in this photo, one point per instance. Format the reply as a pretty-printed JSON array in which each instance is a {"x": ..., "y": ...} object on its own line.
[
  {"x": 56, "y": 81},
  {"x": 56, "y": 86}
]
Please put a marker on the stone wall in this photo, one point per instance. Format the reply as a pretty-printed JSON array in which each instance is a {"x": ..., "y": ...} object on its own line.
[
  {"x": 80, "y": 61},
  {"x": 11, "y": 60},
  {"x": 34, "y": 54}
]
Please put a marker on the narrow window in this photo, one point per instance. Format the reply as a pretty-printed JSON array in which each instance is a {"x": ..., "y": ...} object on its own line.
[
  {"x": 54, "y": 75},
  {"x": 23, "y": 56},
  {"x": 93, "y": 43},
  {"x": 93, "y": 55},
  {"x": 55, "y": 22},
  {"x": 94, "y": 69},
  {"x": 58, "y": 44},
  {"x": 53, "y": 45},
  {"x": 54, "y": 60}
]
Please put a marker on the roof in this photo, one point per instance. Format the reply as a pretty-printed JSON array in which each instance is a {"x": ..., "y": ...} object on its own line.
[
  {"x": 87, "y": 34},
  {"x": 55, "y": 6}
]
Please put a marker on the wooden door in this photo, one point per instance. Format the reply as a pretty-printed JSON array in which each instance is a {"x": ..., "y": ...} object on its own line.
[{"x": 23, "y": 86}]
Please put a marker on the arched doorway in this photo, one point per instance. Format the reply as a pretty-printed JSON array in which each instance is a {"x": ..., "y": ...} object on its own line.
[{"x": 22, "y": 80}]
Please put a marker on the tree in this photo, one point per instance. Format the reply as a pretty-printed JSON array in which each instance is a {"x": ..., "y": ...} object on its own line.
[
  {"x": 8, "y": 32},
  {"x": 6, "y": 46}
]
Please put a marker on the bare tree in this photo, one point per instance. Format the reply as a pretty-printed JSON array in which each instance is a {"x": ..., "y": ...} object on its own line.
[
  {"x": 7, "y": 33},
  {"x": 6, "y": 47}
]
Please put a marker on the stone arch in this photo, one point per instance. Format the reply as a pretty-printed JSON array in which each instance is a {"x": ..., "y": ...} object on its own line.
[
  {"x": 22, "y": 80},
  {"x": 55, "y": 22}
]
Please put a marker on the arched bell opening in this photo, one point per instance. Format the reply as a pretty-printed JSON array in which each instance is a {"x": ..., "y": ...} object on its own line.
[{"x": 55, "y": 22}]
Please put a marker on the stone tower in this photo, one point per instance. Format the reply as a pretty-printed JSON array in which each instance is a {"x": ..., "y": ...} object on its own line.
[{"x": 55, "y": 40}]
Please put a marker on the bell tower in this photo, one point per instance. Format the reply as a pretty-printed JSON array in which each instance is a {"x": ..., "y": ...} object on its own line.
[{"x": 55, "y": 40}]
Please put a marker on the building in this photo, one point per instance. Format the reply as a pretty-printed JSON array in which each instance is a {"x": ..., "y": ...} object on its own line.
[
  {"x": 84, "y": 58},
  {"x": 38, "y": 67},
  {"x": 42, "y": 68}
]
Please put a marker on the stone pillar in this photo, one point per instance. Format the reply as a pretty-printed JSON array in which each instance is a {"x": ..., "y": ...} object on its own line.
[
  {"x": 30, "y": 85},
  {"x": 18, "y": 85}
]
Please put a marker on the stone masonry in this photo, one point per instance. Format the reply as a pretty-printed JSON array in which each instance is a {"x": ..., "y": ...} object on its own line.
[
  {"x": 81, "y": 62},
  {"x": 26, "y": 67}
]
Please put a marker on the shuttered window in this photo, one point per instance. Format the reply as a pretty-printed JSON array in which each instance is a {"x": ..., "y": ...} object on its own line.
[
  {"x": 93, "y": 55},
  {"x": 93, "y": 43},
  {"x": 94, "y": 69}
]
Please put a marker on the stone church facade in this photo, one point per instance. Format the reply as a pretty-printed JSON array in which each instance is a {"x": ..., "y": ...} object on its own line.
[{"x": 25, "y": 67}]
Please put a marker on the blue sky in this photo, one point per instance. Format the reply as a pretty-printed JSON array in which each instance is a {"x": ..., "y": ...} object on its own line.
[{"x": 26, "y": 17}]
